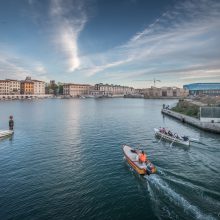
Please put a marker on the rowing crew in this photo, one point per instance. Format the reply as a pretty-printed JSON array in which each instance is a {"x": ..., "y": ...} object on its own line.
[{"x": 173, "y": 135}]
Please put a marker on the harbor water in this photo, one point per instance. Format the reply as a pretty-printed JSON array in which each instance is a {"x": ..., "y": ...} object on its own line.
[{"x": 65, "y": 161}]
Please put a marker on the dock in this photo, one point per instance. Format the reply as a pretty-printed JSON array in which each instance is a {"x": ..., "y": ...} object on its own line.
[{"x": 206, "y": 126}]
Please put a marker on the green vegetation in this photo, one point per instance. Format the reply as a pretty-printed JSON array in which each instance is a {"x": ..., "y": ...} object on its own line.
[
  {"x": 55, "y": 89},
  {"x": 187, "y": 108}
]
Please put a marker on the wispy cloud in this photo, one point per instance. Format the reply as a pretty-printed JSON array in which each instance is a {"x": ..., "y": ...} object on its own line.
[
  {"x": 17, "y": 67},
  {"x": 68, "y": 20},
  {"x": 187, "y": 35}
]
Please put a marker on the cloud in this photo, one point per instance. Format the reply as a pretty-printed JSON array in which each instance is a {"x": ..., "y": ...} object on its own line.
[
  {"x": 16, "y": 67},
  {"x": 184, "y": 37},
  {"x": 40, "y": 69},
  {"x": 68, "y": 20}
]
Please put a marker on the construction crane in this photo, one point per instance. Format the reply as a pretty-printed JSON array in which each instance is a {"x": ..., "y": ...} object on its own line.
[{"x": 154, "y": 80}]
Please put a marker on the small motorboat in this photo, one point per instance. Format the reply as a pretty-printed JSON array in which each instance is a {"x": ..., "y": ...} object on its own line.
[
  {"x": 131, "y": 156},
  {"x": 5, "y": 133},
  {"x": 172, "y": 137}
]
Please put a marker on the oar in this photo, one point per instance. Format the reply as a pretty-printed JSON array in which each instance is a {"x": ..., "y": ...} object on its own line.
[
  {"x": 194, "y": 140},
  {"x": 172, "y": 142},
  {"x": 160, "y": 138}
]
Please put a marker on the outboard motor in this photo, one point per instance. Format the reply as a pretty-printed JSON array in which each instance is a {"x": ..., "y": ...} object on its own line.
[{"x": 150, "y": 168}]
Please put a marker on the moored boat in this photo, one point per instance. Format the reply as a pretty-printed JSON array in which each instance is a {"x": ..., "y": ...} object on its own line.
[
  {"x": 131, "y": 156},
  {"x": 4, "y": 133},
  {"x": 172, "y": 137}
]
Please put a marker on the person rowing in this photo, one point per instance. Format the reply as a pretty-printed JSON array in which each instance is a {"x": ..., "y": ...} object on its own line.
[
  {"x": 176, "y": 136},
  {"x": 170, "y": 133},
  {"x": 162, "y": 130}
]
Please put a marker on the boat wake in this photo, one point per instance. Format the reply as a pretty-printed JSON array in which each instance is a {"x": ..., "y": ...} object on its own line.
[{"x": 158, "y": 187}]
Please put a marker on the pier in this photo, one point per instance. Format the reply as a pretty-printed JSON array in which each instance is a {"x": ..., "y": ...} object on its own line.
[{"x": 206, "y": 126}]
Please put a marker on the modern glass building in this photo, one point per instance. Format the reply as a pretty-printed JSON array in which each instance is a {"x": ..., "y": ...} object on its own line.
[{"x": 203, "y": 88}]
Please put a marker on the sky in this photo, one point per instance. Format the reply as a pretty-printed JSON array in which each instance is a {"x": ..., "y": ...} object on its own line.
[{"x": 127, "y": 42}]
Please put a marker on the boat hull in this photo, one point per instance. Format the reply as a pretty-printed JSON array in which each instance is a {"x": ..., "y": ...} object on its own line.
[
  {"x": 169, "y": 138},
  {"x": 5, "y": 133}
]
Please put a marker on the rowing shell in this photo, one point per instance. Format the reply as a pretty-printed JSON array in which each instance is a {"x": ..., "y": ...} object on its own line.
[{"x": 171, "y": 139}]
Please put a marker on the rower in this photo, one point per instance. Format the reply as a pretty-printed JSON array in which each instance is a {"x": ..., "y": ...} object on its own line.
[
  {"x": 11, "y": 123},
  {"x": 176, "y": 136},
  {"x": 142, "y": 157},
  {"x": 170, "y": 133}
]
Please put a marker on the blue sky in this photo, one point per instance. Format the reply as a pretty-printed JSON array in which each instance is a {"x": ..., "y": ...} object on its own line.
[{"x": 111, "y": 41}]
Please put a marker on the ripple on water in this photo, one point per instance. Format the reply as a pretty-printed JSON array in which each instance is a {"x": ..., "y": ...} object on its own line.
[{"x": 65, "y": 162}]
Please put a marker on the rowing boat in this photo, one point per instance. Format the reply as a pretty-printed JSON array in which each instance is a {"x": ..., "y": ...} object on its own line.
[
  {"x": 4, "y": 133},
  {"x": 174, "y": 139},
  {"x": 131, "y": 156}
]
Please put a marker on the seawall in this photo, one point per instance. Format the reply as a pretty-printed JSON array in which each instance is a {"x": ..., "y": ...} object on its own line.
[
  {"x": 206, "y": 126},
  {"x": 16, "y": 97}
]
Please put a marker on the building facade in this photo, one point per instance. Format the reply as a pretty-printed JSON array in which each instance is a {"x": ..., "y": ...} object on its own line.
[
  {"x": 27, "y": 87},
  {"x": 75, "y": 90},
  {"x": 39, "y": 87},
  {"x": 9, "y": 87},
  {"x": 203, "y": 89},
  {"x": 210, "y": 114},
  {"x": 164, "y": 92},
  {"x": 111, "y": 90}
]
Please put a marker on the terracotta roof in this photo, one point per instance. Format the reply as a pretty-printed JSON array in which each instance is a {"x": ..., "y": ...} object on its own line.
[
  {"x": 27, "y": 81},
  {"x": 37, "y": 80}
]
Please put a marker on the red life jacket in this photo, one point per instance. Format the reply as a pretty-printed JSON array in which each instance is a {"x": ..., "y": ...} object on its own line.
[{"x": 142, "y": 157}]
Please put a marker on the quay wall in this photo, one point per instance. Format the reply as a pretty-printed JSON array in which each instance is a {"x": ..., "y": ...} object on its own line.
[
  {"x": 16, "y": 97},
  {"x": 207, "y": 126}
]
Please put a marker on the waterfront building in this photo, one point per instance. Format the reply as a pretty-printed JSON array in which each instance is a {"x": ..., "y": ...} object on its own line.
[
  {"x": 27, "y": 86},
  {"x": 9, "y": 87},
  {"x": 163, "y": 92},
  {"x": 111, "y": 90},
  {"x": 39, "y": 87},
  {"x": 74, "y": 90},
  {"x": 203, "y": 89}
]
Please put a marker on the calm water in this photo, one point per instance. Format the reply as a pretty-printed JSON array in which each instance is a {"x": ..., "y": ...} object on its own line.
[{"x": 65, "y": 162}]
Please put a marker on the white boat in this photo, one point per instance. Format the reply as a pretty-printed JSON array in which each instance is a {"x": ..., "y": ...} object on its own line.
[
  {"x": 174, "y": 139},
  {"x": 4, "y": 133},
  {"x": 131, "y": 156}
]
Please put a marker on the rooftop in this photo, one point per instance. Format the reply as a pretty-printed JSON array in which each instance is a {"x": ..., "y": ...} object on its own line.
[
  {"x": 202, "y": 86},
  {"x": 75, "y": 84}
]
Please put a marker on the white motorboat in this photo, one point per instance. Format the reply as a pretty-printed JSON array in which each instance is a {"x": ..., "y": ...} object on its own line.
[
  {"x": 131, "y": 156},
  {"x": 5, "y": 133}
]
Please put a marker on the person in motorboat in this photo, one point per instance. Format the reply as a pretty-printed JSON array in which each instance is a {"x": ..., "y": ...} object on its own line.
[
  {"x": 142, "y": 157},
  {"x": 11, "y": 123}
]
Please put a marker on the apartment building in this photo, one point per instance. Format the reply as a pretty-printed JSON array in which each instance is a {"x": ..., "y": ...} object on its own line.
[
  {"x": 39, "y": 87},
  {"x": 163, "y": 92},
  {"x": 114, "y": 89},
  {"x": 74, "y": 90},
  {"x": 9, "y": 87}
]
